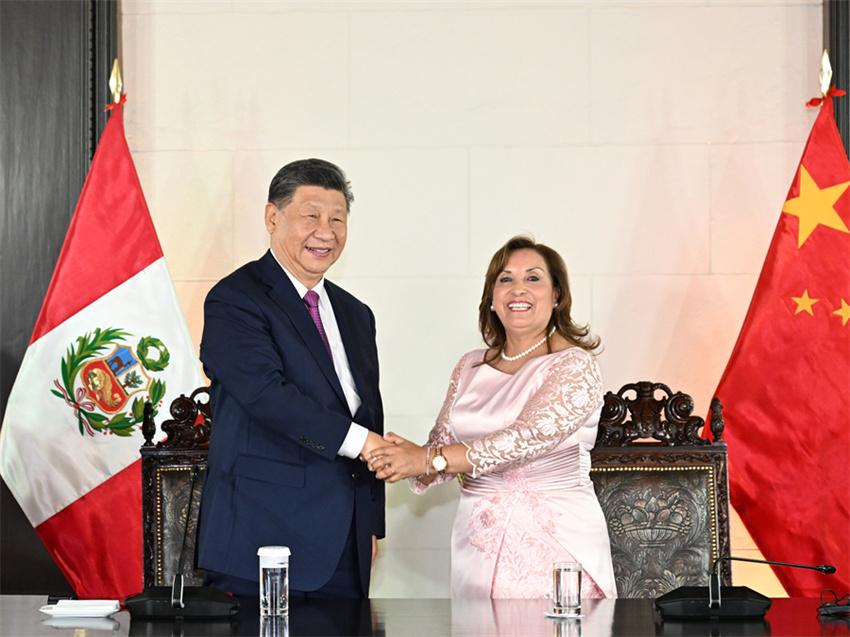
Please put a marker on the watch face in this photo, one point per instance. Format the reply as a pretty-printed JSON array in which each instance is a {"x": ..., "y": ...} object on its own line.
[{"x": 439, "y": 463}]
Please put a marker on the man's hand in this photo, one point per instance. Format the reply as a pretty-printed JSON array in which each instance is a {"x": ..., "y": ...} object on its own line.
[
  {"x": 374, "y": 549},
  {"x": 373, "y": 441}
]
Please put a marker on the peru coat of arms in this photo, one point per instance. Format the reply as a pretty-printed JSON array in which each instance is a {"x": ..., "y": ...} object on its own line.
[{"x": 107, "y": 382}]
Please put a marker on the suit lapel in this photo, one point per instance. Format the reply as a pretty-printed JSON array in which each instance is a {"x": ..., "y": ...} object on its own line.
[{"x": 283, "y": 293}]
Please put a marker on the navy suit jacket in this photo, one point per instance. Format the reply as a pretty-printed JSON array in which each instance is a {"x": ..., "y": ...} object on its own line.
[{"x": 279, "y": 417}]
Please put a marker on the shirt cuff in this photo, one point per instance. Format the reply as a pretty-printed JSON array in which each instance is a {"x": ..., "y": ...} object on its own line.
[{"x": 354, "y": 441}]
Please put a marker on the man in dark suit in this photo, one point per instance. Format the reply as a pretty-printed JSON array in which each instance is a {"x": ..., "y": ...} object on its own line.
[{"x": 295, "y": 401}]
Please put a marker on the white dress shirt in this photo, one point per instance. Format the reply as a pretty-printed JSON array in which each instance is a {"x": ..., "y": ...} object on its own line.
[{"x": 356, "y": 437}]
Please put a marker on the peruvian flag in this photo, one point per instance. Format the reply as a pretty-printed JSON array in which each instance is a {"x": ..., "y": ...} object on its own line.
[
  {"x": 786, "y": 388},
  {"x": 110, "y": 336}
]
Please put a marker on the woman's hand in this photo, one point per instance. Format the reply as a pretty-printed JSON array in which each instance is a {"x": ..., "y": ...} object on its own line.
[{"x": 398, "y": 460}]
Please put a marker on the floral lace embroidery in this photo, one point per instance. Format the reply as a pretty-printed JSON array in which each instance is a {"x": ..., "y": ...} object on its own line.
[
  {"x": 517, "y": 527},
  {"x": 571, "y": 392},
  {"x": 519, "y": 504},
  {"x": 441, "y": 434},
  {"x": 524, "y": 566}
]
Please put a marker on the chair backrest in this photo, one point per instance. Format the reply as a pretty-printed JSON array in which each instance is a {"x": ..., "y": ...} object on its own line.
[
  {"x": 172, "y": 479},
  {"x": 663, "y": 489}
]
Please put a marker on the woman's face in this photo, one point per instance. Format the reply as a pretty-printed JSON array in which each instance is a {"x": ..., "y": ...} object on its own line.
[{"x": 524, "y": 295}]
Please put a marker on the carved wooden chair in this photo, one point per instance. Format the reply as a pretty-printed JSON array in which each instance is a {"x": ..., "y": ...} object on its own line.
[
  {"x": 663, "y": 489},
  {"x": 172, "y": 479}
]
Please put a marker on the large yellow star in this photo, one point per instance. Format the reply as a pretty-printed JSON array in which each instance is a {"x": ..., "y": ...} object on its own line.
[
  {"x": 814, "y": 206},
  {"x": 804, "y": 303},
  {"x": 844, "y": 312}
]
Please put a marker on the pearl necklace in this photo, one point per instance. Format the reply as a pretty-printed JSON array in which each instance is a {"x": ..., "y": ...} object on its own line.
[{"x": 511, "y": 359}]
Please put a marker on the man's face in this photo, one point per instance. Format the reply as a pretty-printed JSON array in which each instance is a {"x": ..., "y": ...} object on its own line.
[{"x": 308, "y": 235}]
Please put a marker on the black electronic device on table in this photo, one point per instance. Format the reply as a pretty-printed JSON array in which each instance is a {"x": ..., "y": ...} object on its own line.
[{"x": 721, "y": 602}]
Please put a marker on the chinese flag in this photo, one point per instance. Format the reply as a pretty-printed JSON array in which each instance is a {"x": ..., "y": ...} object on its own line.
[{"x": 786, "y": 388}]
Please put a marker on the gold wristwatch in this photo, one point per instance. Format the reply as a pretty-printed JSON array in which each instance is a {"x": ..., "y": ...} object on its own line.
[{"x": 439, "y": 461}]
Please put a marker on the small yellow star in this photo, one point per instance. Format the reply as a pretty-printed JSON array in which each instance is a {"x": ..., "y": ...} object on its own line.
[
  {"x": 814, "y": 206},
  {"x": 844, "y": 312},
  {"x": 804, "y": 303}
]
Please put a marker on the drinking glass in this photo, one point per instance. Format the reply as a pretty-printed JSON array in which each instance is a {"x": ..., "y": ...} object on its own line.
[{"x": 566, "y": 589}]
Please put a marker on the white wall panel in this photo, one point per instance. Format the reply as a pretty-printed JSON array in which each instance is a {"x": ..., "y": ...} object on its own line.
[
  {"x": 190, "y": 197},
  {"x": 411, "y": 573},
  {"x": 676, "y": 330},
  {"x": 749, "y": 183},
  {"x": 607, "y": 209},
  {"x": 162, "y": 7},
  {"x": 240, "y": 80},
  {"x": 424, "y": 327},
  {"x": 459, "y": 78},
  {"x": 683, "y": 74},
  {"x": 191, "y": 295}
]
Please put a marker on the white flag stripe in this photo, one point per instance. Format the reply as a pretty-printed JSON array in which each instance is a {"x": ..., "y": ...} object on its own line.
[{"x": 45, "y": 460}]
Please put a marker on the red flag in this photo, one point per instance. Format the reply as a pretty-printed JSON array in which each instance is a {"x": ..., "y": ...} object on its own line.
[
  {"x": 786, "y": 388},
  {"x": 110, "y": 336}
]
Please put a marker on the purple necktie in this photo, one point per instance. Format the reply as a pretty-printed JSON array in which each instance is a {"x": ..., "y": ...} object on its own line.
[{"x": 311, "y": 299}]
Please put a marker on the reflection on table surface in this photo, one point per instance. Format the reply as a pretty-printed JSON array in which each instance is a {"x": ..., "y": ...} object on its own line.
[{"x": 19, "y": 617}]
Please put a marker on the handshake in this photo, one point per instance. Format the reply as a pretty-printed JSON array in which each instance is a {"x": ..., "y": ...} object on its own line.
[{"x": 394, "y": 458}]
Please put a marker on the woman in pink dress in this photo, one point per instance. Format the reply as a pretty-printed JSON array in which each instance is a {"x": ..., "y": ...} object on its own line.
[{"x": 518, "y": 423}]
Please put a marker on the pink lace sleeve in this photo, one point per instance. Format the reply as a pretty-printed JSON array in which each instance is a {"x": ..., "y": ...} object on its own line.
[
  {"x": 441, "y": 433},
  {"x": 571, "y": 392}
]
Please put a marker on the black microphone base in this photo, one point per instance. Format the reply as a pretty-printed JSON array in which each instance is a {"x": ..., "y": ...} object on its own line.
[{"x": 692, "y": 602}]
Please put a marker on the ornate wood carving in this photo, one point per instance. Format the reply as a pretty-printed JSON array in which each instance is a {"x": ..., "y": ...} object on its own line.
[
  {"x": 166, "y": 468},
  {"x": 717, "y": 425},
  {"x": 625, "y": 419},
  {"x": 663, "y": 489},
  {"x": 190, "y": 424}
]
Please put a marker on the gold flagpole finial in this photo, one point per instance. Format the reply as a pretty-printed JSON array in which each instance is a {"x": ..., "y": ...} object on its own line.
[
  {"x": 115, "y": 84},
  {"x": 825, "y": 74}
]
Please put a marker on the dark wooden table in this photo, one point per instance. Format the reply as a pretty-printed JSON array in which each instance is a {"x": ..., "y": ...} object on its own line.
[{"x": 19, "y": 617}]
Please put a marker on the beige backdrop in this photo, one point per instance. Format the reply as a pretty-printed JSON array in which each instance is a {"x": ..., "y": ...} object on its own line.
[{"x": 651, "y": 142}]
